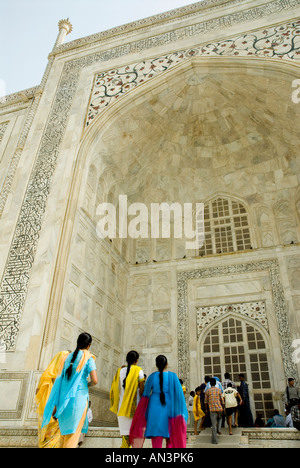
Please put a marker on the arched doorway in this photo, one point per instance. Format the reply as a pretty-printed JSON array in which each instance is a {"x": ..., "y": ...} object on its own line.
[{"x": 237, "y": 346}]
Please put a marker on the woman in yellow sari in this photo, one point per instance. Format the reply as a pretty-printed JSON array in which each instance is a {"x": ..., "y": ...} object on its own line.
[
  {"x": 49, "y": 436},
  {"x": 69, "y": 398},
  {"x": 125, "y": 393}
]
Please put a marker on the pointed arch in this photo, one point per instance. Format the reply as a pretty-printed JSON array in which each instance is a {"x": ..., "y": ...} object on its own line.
[{"x": 239, "y": 345}]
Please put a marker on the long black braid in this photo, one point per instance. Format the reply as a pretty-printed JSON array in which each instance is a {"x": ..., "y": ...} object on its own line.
[
  {"x": 131, "y": 358},
  {"x": 161, "y": 363},
  {"x": 83, "y": 341}
]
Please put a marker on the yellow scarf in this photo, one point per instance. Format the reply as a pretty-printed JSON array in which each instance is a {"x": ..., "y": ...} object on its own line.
[
  {"x": 85, "y": 357},
  {"x": 132, "y": 382}
]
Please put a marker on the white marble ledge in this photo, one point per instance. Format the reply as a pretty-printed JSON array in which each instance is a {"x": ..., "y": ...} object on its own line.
[{"x": 271, "y": 433}]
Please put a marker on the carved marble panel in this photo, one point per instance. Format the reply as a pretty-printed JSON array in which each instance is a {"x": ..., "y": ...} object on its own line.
[
  {"x": 272, "y": 267},
  {"x": 255, "y": 310},
  {"x": 282, "y": 41}
]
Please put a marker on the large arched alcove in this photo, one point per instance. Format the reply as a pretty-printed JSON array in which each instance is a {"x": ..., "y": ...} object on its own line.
[
  {"x": 204, "y": 127},
  {"x": 207, "y": 126}
]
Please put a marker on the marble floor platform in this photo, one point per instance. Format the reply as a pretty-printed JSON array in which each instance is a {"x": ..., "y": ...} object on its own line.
[{"x": 109, "y": 437}]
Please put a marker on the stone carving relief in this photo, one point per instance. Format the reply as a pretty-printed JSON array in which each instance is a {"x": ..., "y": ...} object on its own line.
[
  {"x": 163, "y": 315},
  {"x": 278, "y": 42},
  {"x": 266, "y": 222},
  {"x": 255, "y": 310},
  {"x": 143, "y": 250},
  {"x": 161, "y": 336},
  {"x": 161, "y": 294},
  {"x": 140, "y": 336},
  {"x": 143, "y": 23},
  {"x": 34, "y": 95},
  {"x": 163, "y": 249},
  {"x": 293, "y": 266},
  {"x": 3, "y": 127},
  {"x": 68, "y": 331},
  {"x": 286, "y": 222}
]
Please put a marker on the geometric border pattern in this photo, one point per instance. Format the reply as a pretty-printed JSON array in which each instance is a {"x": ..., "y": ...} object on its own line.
[
  {"x": 272, "y": 266},
  {"x": 24, "y": 378}
]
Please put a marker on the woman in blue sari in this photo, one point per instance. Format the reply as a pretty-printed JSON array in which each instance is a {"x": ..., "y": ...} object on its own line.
[
  {"x": 69, "y": 398},
  {"x": 162, "y": 412}
]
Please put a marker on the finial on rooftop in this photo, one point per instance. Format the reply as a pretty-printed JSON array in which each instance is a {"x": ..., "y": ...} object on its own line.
[{"x": 65, "y": 27}]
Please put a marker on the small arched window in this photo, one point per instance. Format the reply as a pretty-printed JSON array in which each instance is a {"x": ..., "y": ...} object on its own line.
[{"x": 226, "y": 227}]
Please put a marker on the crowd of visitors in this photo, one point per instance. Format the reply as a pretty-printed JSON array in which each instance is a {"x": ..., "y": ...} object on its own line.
[
  {"x": 214, "y": 402},
  {"x": 147, "y": 408}
]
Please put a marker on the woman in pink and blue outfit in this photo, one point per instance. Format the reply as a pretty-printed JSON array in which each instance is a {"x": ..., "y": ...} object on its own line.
[{"x": 162, "y": 412}]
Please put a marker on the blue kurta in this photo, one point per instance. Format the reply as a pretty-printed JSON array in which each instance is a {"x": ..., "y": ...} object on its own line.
[
  {"x": 70, "y": 396},
  {"x": 157, "y": 414}
]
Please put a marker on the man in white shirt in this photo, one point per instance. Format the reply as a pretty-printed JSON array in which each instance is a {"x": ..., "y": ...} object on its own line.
[{"x": 230, "y": 396}]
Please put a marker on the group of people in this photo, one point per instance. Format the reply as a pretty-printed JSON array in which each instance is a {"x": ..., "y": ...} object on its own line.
[
  {"x": 154, "y": 409},
  {"x": 214, "y": 401},
  {"x": 292, "y": 410},
  {"x": 147, "y": 408}
]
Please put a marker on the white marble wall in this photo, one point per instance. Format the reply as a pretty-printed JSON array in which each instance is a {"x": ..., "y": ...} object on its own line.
[{"x": 72, "y": 280}]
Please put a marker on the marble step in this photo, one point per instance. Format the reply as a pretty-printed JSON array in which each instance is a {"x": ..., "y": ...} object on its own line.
[{"x": 203, "y": 440}]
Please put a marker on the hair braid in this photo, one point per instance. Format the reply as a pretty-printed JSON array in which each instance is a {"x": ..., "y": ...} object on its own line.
[
  {"x": 70, "y": 368},
  {"x": 83, "y": 341},
  {"x": 161, "y": 363}
]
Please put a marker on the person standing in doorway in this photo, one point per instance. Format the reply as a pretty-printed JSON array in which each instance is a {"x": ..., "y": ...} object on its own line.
[
  {"x": 246, "y": 418},
  {"x": 214, "y": 403}
]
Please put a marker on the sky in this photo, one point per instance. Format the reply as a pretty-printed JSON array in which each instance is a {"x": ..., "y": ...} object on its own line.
[{"x": 28, "y": 30}]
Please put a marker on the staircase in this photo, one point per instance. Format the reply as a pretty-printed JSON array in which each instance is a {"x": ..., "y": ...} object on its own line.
[{"x": 203, "y": 440}]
